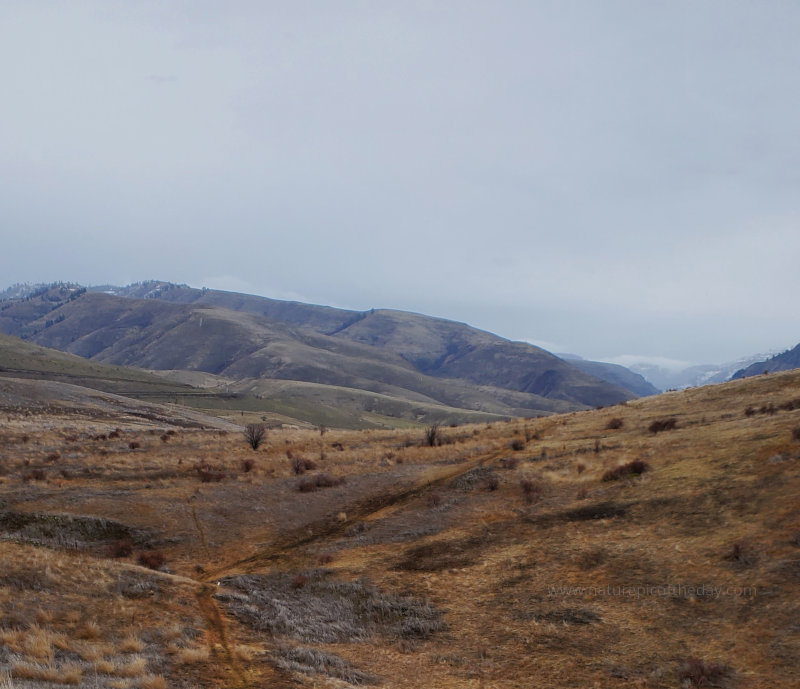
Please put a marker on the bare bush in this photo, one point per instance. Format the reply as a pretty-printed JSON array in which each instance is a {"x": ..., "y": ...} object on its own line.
[
  {"x": 634, "y": 468},
  {"x": 531, "y": 491},
  {"x": 207, "y": 474},
  {"x": 254, "y": 434},
  {"x": 307, "y": 485},
  {"x": 663, "y": 425},
  {"x": 300, "y": 465},
  {"x": 432, "y": 435}
]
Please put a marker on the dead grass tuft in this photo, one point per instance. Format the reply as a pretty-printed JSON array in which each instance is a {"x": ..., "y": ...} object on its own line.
[{"x": 191, "y": 656}]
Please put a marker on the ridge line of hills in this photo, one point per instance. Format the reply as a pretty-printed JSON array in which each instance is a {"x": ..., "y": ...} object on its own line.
[{"x": 380, "y": 358}]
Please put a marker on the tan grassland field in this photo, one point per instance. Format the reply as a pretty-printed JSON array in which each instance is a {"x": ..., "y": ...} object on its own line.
[{"x": 135, "y": 553}]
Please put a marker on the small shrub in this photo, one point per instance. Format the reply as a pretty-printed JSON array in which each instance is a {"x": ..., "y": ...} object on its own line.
[
  {"x": 517, "y": 444},
  {"x": 247, "y": 465},
  {"x": 749, "y": 411},
  {"x": 254, "y": 433},
  {"x": 299, "y": 581},
  {"x": 34, "y": 475},
  {"x": 300, "y": 465},
  {"x": 580, "y": 468},
  {"x": 615, "y": 424},
  {"x": 208, "y": 475},
  {"x": 701, "y": 673},
  {"x": 164, "y": 438},
  {"x": 492, "y": 483},
  {"x": 530, "y": 490},
  {"x": 114, "y": 434},
  {"x": 796, "y": 433},
  {"x": 307, "y": 485},
  {"x": 663, "y": 425},
  {"x": 432, "y": 435},
  {"x": 122, "y": 548},
  {"x": 53, "y": 457},
  {"x": 509, "y": 462},
  {"x": 328, "y": 481},
  {"x": 768, "y": 409},
  {"x": 134, "y": 445},
  {"x": 337, "y": 446},
  {"x": 634, "y": 468},
  {"x": 154, "y": 559},
  {"x": 325, "y": 558}
]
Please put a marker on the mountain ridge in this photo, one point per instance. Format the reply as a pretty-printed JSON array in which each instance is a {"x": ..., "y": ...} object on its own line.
[
  {"x": 785, "y": 361},
  {"x": 171, "y": 327}
]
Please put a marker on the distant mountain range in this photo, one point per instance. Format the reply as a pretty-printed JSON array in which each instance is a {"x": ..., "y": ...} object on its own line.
[
  {"x": 673, "y": 377},
  {"x": 373, "y": 358},
  {"x": 781, "y": 362}
]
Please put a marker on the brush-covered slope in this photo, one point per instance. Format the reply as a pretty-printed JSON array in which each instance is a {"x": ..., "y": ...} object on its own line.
[
  {"x": 396, "y": 353},
  {"x": 786, "y": 361},
  {"x": 588, "y": 549},
  {"x": 434, "y": 346}
]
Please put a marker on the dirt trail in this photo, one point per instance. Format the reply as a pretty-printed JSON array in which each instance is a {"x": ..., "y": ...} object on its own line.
[{"x": 358, "y": 511}]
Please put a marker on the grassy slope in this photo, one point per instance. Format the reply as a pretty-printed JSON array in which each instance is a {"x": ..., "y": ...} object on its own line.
[
  {"x": 276, "y": 401},
  {"x": 385, "y": 352},
  {"x": 717, "y": 508}
]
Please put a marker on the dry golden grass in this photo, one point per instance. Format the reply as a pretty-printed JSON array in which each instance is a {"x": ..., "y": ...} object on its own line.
[
  {"x": 130, "y": 645},
  {"x": 104, "y": 667},
  {"x": 153, "y": 682},
  {"x": 135, "y": 667},
  {"x": 190, "y": 656},
  {"x": 530, "y": 581},
  {"x": 65, "y": 674}
]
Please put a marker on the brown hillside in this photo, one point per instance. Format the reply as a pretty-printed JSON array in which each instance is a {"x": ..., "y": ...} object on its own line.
[{"x": 650, "y": 544}]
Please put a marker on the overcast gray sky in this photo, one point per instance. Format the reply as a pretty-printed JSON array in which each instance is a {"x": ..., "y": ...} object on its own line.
[{"x": 604, "y": 177}]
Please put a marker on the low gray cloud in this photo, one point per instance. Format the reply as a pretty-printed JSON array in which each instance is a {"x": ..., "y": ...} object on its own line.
[{"x": 614, "y": 177}]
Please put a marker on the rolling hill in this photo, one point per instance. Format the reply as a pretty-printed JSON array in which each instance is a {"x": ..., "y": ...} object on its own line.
[{"x": 242, "y": 338}]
